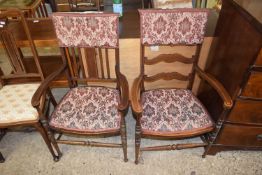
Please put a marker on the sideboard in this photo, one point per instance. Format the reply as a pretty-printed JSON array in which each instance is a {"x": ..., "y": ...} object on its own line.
[{"x": 236, "y": 61}]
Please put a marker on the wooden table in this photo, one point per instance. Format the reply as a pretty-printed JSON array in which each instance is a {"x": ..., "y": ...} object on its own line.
[{"x": 32, "y": 8}]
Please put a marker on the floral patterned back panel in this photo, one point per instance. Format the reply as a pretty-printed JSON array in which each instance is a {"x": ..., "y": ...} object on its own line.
[
  {"x": 86, "y": 30},
  {"x": 176, "y": 26}
]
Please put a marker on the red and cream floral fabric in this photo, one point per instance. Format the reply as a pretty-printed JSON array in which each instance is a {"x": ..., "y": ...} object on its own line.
[
  {"x": 15, "y": 103},
  {"x": 86, "y": 30},
  {"x": 171, "y": 111},
  {"x": 88, "y": 109},
  {"x": 177, "y": 26}
]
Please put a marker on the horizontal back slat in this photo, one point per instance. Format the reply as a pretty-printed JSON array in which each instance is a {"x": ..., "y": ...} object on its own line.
[
  {"x": 169, "y": 58},
  {"x": 167, "y": 76}
]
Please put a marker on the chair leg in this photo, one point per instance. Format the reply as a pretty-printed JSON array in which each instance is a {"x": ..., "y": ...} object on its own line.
[
  {"x": 137, "y": 141},
  {"x": 2, "y": 159},
  {"x": 40, "y": 129},
  {"x": 51, "y": 137},
  {"x": 124, "y": 138}
]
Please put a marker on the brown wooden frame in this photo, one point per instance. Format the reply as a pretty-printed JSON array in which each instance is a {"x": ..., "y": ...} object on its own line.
[
  {"x": 19, "y": 74},
  {"x": 138, "y": 88}
]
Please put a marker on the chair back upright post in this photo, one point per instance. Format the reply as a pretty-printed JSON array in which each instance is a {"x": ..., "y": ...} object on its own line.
[{"x": 13, "y": 51}]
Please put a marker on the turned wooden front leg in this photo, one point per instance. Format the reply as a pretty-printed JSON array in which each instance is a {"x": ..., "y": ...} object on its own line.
[
  {"x": 124, "y": 138},
  {"x": 137, "y": 140},
  {"x": 51, "y": 137}
]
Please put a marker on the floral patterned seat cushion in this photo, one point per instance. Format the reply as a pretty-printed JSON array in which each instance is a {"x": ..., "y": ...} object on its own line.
[
  {"x": 15, "y": 103},
  {"x": 88, "y": 109},
  {"x": 171, "y": 111}
]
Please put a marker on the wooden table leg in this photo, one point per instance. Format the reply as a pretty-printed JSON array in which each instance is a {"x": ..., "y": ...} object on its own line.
[
  {"x": 2, "y": 133},
  {"x": 53, "y": 5},
  {"x": 2, "y": 159}
]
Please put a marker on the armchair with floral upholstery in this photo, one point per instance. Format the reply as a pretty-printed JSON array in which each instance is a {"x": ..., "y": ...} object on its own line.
[
  {"x": 97, "y": 100},
  {"x": 172, "y": 113}
]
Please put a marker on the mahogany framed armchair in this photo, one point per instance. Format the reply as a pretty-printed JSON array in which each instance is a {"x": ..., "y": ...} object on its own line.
[
  {"x": 97, "y": 101},
  {"x": 19, "y": 85},
  {"x": 172, "y": 113}
]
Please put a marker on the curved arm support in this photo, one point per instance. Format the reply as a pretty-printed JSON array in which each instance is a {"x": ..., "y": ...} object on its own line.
[
  {"x": 45, "y": 85},
  {"x": 228, "y": 103},
  {"x": 135, "y": 99},
  {"x": 124, "y": 103}
]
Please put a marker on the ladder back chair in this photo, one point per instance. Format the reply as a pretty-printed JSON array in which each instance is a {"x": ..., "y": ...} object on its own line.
[
  {"x": 89, "y": 46},
  {"x": 172, "y": 113},
  {"x": 84, "y": 5},
  {"x": 19, "y": 85}
]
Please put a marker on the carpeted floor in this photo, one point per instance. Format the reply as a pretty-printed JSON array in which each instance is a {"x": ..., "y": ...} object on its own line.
[{"x": 26, "y": 154}]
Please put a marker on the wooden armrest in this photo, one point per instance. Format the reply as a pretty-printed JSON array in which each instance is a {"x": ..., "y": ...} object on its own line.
[
  {"x": 45, "y": 85},
  {"x": 228, "y": 103},
  {"x": 135, "y": 99},
  {"x": 124, "y": 103}
]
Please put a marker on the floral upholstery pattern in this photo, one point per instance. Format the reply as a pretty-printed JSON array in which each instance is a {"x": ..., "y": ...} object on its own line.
[
  {"x": 88, "y": 109},
  {"x": 15, "y": 103},
  {"x": 176, "y": 26},
  {"x": 172, "y": 110},
  {"x": 86, "y": 30},
  {"x": 170, "y": 4}
]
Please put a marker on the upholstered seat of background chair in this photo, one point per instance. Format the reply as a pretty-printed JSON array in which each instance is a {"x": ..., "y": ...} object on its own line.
[
  {"x": 173, "y": 111},
  {"x": 170, "y": 4},
  {"x": 88, "y": 109},
  {"x": 15, "y": 103}
]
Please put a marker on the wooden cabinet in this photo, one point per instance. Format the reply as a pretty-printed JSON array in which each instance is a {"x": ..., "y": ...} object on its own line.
[
  {"x": 236, "y": 61},
  {"x": 253, "y": 87}
]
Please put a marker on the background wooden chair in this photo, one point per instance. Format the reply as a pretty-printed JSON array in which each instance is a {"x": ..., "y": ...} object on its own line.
[
  {"x": 38, "y": 10},
  {"x": 88, "y": 42},
  {"x": 84, "y": 5},
  {"x": 31, "y": 8},
  {"x": 172, "y": 113},
  {"x": 19, "y": 86}
]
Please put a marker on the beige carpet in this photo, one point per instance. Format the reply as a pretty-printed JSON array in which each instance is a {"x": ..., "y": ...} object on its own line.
[{"x": 26, "y": 154}]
